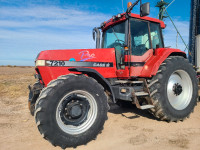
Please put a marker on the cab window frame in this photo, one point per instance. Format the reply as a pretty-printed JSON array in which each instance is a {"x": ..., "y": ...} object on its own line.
[
  {"x": 161, "y": 34},
  {"x": 104, "y": 32},
  {"x": 149, "y": 36}
]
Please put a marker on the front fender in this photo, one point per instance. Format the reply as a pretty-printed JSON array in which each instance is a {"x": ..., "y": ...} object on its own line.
[
  {"x": 152, "y": 65},
  {"x": 98, "y": 77}
]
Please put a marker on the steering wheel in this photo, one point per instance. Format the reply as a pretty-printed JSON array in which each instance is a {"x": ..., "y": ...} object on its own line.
[
  {"x": 146, "y": 42},
  {"x": 118, "y": 41}
]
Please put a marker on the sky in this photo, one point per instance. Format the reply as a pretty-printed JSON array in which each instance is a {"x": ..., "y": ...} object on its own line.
[{"x": 30, "y": 26}]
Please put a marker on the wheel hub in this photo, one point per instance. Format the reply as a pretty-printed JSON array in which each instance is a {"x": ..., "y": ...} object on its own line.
[
  {"x": 74, "y": 110},
  {"x": 178, "y": 89}
]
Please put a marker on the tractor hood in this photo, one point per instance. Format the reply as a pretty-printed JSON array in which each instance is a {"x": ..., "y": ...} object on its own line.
[
  {"x": 78, "y": 57},
  {"x": 53, "y": 63}
]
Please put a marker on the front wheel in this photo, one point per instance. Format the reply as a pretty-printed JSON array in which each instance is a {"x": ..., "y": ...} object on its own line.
[
  {"x": 174, "y": 89},
  {"x": 71, "y": 110}
]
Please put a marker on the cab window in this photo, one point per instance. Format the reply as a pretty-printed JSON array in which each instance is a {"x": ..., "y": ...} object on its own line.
[
  {"x": 140, "y": 42},
  {"x": 156, "y": 35},
  {"x": 114, "y": 37}
]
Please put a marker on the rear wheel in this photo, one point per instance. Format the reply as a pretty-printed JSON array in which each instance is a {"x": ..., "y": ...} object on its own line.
[
  {"x": 174, "y": 89},
  {"x": 71, "y": 110}
]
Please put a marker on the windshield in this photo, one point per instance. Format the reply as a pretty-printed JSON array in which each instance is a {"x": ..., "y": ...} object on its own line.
[{"x": 114, "y": 36}]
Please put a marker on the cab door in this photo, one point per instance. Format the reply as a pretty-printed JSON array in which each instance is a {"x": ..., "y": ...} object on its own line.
[
  {"x": 114, "y": 37},
  {"x": 141, "y": 47}
]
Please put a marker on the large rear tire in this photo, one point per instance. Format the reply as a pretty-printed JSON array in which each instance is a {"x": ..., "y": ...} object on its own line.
[
  {"x": 174, "y": 89},
  {"x": 71, "y": 110}
]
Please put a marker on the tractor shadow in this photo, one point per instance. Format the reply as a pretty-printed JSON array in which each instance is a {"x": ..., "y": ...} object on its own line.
[{"x": 133, "y": 110}]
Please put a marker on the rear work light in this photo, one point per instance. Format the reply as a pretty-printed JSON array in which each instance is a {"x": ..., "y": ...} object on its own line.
[{"x": 119, "y": 16}]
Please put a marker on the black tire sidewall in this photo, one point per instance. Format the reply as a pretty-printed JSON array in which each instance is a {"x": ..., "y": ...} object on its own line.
[
  {"x": 172, "y": 66},
  {"x": 67, "y": 86}
]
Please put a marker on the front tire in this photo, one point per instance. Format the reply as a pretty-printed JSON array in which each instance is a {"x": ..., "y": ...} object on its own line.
[
  {"x": 71, "y": 110},
  {"x": 174, "y": 90}
]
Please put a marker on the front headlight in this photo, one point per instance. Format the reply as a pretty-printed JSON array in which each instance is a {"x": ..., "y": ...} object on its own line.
[{"x": 40, "y": 63}]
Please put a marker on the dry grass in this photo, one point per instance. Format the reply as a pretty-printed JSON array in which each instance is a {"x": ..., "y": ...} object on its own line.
[{"x": 16, "y": 83}]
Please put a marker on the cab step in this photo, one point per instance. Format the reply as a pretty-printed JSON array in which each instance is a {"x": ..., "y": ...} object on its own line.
[
  {"x": 141, "y": 93},
  {"x": 128, "y": 81},
  {"x": 146, "y": 107},
  {"x": 136, "y": 102}
]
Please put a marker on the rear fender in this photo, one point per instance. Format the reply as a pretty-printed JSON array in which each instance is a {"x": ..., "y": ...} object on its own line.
[
  {"x": 161, "y": 54},
  {"x": 98, "y": 77}
]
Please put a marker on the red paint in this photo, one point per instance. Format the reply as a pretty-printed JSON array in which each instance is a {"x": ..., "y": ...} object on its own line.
[
  {"x": 162, "y": 24},
  {"x": 111, "y": 22},
  {"x": 142, "y": 58},
  {"x": 104, "y": 55},
  {"x": 136, "y": 71},
  {"x": 95, "y": 55},
  {"x": 123, "y": 74},
  {"x": 152, "y": 62},
  {"x": 152, "y": 65}
]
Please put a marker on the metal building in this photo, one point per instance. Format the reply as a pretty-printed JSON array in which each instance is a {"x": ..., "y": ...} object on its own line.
[{"x": 194, "y": 37}]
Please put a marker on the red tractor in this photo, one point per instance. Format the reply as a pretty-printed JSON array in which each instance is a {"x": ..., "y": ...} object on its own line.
[{"x": 70, "y": 99}]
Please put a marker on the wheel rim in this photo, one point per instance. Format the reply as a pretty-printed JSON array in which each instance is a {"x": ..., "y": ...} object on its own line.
[
  {"x": 179, "y": 89},
  {"x": 76, "y": 112}
]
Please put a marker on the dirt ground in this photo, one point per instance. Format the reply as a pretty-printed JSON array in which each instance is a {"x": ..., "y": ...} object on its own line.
[{"x": 125, "y": 129}]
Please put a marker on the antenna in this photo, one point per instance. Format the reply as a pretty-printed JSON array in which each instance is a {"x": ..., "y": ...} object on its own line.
[{"x": 123, "y": 5}]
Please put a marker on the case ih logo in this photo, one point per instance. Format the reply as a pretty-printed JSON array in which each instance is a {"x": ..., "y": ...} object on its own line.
[
  {"x": 102, "y": 65},
  {"x": 85, "y": 55}
]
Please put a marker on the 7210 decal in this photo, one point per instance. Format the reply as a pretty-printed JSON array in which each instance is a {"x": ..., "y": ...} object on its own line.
[{"x": 57, "y": 63}]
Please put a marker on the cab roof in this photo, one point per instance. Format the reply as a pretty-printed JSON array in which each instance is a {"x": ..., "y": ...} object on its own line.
[{"x": 112, "y": 22}]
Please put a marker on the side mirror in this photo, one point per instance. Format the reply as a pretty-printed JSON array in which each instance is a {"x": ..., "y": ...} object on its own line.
[
  {"x": 93, "y": 34},
  {"x": 96, "y": 34},
  {"x": 144, "y": 9}
]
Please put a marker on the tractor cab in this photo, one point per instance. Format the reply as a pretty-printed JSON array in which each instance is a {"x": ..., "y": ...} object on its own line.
[
  {"x": 134, "y": 37},
  {"x": 142, "y": 37}
]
